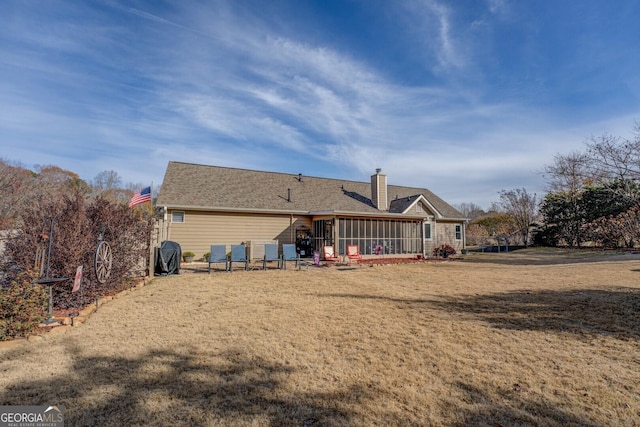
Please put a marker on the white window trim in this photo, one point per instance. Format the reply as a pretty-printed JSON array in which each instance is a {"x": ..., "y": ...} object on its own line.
[
  {"x": 456, "y": 232},
  {"x": 431, "y": 229}
]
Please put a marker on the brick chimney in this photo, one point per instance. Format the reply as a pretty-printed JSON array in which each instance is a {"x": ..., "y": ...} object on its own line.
[{"x": 379, "y": 190}]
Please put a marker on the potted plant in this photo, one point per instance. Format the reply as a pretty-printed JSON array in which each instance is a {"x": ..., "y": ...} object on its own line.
[{"x": 188, "y": 256}]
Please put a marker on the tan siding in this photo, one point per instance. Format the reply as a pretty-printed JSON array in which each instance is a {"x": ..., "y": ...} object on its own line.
[
  {"x": 200, "y": 230},
  {"x": 429, "y": 245},
  {"x": 446, "y": 234}
]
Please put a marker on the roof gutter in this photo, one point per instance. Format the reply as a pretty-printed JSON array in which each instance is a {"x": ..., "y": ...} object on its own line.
[
  {"x": 237, "y": 210},
  {"x": 378, "y": 214},
  {"x": 366, "y": 214}
]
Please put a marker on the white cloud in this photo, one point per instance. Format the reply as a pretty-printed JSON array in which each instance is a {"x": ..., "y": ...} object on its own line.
[
  {"x": 214, "y": 84},
  {"x": 433, "y": 25},
  {"x": 498, "y": 7}
]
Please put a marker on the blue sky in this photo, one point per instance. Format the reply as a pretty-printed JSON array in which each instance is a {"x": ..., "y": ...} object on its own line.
[{"x": 465, "y": 98}]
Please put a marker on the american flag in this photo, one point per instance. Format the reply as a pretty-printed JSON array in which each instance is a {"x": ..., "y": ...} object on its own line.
[{"x": 141, "y": 196}]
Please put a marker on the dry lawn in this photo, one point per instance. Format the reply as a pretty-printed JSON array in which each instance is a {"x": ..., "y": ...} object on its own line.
[{"x": 527, "y": 338}]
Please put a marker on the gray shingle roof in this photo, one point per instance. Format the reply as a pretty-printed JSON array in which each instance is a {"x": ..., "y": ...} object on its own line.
[
  {"x": 188, "y": 185},
  {"x": 401, "y": 204}
]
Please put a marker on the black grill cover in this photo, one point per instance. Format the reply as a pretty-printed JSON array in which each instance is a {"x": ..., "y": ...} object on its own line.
[{"x": 168, "y": 257}]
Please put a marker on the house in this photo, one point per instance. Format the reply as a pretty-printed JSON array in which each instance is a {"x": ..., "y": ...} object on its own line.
[{"x": 205, "y": 205}]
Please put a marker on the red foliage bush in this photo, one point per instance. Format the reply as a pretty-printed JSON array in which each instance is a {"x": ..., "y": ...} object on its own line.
[
  {"x": 78, "y": 225},
  {"x": 444, "y": 251}
]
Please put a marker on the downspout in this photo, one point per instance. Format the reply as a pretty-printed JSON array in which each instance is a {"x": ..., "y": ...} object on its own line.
[
  {"x": 291, "y": 228},
  {"x": 434, "y": 232},
  {"x": 464, "y": 235},
  {"x": 167, "y": 226},
  {"x": 164, "y": 233},
  {"x": 334, "y": 232},
  {"x": 424, "y": 246}
]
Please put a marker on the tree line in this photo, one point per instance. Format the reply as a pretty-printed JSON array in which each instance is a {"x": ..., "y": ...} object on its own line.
[
  {"x": 21, "y": 189},
  {"x": 84, "y": 214},
  {"x": 593, "y": 199}
]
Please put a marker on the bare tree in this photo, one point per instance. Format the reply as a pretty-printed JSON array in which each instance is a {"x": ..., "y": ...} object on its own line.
[
  {"x": 495, "y": 208},
  {"x": 569, "y": 173},
  {"x": 21, "y": 188},
  {"x": 470, "y": 210},
  {"x": 476, "y": 234},
  {"x": 53, "y": 181},
  {"x": 496, "y": 225},
  {"x": 568, "y": 177},
  {"x": 616, "y": 159},
  {"x": 108, "y": 185},
  {"x": 522, "y": 207},
  {"x": 107, "y": 180},
  {"x": 17, "y": 188},
  {"x": 584, "y": 184}
]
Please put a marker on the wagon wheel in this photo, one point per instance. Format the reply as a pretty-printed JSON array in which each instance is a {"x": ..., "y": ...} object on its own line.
[{"x": 102, "y": 261}]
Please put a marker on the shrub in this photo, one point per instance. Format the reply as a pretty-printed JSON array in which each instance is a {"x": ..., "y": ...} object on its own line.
[
  {"x": 79, "y": 224},
  {"x": 22, "y": 307},
  {"x": 444, "y": 251},
  {"x": 188, "y": 254}
]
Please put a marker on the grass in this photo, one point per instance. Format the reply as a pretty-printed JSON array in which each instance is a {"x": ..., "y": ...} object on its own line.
[{"x": 490, "y": 340}]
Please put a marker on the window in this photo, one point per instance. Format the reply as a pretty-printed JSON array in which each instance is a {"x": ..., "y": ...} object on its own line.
[
  {"x": 177, "y": 216},
  {"x": 427, "y": 230},
  {"x": 458, "y": 232},
  {"x": 380, "y": 236}
]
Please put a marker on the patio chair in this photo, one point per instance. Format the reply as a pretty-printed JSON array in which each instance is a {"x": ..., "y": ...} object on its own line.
[
  {"x": 353, "y": 253},
  {"x": 239, "y": 254},
  {"x": 270, "y": 255},
  {"x": 330, "y": 254},
  {"x": 289, "y": 254},
  {"x": 218, "y": 254}
]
